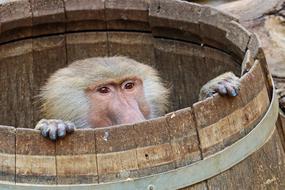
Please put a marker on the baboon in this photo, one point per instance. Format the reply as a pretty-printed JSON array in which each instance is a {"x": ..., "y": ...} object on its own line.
[{"x": 105, "y": 91}]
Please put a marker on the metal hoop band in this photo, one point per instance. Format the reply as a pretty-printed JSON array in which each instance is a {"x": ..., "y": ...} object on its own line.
[{"x": 188, "y": 175}]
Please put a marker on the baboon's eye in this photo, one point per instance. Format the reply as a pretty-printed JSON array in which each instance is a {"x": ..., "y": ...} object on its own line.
[
  {"x": 129, "y": 85},
  {"x": 104, "y": 90}
]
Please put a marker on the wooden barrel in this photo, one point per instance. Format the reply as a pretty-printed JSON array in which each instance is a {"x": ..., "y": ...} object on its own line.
[{"x": 218, "y": 143}]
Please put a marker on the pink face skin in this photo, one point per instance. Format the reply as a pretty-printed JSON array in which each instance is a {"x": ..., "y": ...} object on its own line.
[{"x": 117, "y": 102}]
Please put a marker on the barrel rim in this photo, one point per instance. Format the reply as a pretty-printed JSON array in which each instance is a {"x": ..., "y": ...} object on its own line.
[{"x": 190, "y": 174}]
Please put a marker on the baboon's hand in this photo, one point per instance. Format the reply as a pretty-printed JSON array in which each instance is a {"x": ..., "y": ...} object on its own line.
[
  {"x": 226, "y": 85},
  {"x": 54, "y": 129}
]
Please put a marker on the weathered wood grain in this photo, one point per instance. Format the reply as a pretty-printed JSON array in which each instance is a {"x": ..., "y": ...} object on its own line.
[
  {"x": 166, "y": 21},
  {"x": 49, "y": 54},
  {"x": 116, "y": 153},
  {"x": 48, "y": 17},
  {"x": 189, "y": 62},
  {"x": 185, "y": 61},
  {"x": 223, "y": 120},
  {"x": 127, "y": 15},
  {"x": 85, "y": 15},
  {"x": 247, "y": 62},
  {"x": 76, "y": 161},
  {"x": 125, "y": 152},
  {"x": 86, "y": 45},
  {"x": 226, "y": 33},
  {"x": 138, "y": 46},
  {"x": 198, "y": 186},
  {"x": 7, "y": 153},
  {"x": 239, "y": 38},
  {"x": 251, "y": 85},
  {"x": 218, "y": 62},
  {"x": 154, "y": 151},
  {"x": 183, "y": 137},
  {"x": 254, "y": 46},
  {"x": 15, "y": 20},
  {"x": 35, "y": 158},
  {"x": 264, "y": 169},
  {"x": 252, "y": 82},
  {"x": 16, "y": 79}
]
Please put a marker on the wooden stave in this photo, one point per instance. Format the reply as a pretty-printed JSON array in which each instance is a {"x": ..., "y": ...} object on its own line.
[{"x": 168, "y": 141}]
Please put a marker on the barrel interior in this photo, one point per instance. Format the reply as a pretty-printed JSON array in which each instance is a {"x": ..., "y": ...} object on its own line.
[{"x": 26, "y": 64}]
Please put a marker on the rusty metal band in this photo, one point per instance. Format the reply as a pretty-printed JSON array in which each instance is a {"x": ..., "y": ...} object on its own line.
[{"x": 187, "y": 175}]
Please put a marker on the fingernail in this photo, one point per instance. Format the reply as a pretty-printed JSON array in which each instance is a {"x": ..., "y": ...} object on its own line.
[
  {"x": 45, "y": 133},
  {"x": 223, "y": 90},
  {"x": 234, "y": 93},
  {"x": 61, "y": 133},
  {"x": 52, "y": 137}
]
